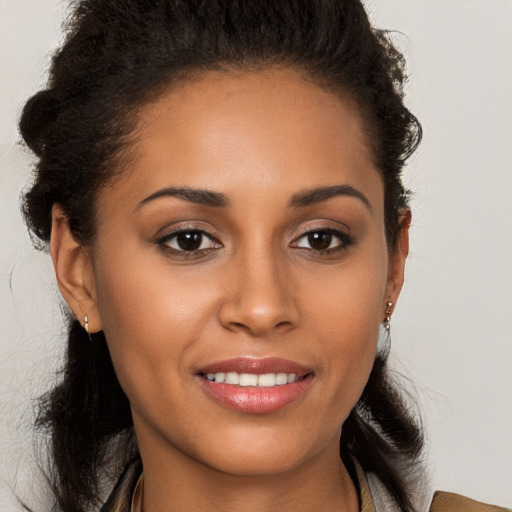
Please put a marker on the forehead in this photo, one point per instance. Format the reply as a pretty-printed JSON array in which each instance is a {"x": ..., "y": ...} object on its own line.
[{"x": 264, "y": 133}]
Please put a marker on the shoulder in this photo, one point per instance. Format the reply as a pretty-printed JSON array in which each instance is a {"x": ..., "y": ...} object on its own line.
[{"x": 451, "y": 502}]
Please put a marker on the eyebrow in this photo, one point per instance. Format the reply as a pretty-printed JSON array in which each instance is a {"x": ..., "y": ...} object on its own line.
[
  {"x": 219, "y": 200},
  {"x": 197, "y": 196},
  {"x": 317, "y": 195}
]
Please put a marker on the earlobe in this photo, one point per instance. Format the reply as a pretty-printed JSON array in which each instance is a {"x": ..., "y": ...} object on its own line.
[
  {"x": 73, "y": 271},
  {"x": 397, "y": 258}
]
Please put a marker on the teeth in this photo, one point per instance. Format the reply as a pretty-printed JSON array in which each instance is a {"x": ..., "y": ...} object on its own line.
[
  {"x": 265, "y": 380},
  {"x": 231, "y": 378},
  {"x": 248, "y": 379},
  {"x": 281, "y": 378}
]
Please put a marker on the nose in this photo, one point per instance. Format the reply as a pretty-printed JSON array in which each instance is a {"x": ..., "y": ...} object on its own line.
[{"x": 259, "y": 297}]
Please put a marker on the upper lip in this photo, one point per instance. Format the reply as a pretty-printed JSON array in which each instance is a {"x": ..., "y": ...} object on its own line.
[{"x": 256, "y": 366}]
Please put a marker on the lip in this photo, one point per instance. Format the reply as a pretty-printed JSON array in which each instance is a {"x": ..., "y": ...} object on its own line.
[
  {"x": 252, "y": 399},
  {"x": 257, "y": 366}
]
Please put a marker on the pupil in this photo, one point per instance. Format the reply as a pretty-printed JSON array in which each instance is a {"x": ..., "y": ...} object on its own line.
[
  {"x": 320, "y": 241},
  {"x": 189, "y": 241}
]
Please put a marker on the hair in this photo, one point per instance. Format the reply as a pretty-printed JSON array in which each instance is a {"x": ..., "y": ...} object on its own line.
[{"x": 119, "y": 56}]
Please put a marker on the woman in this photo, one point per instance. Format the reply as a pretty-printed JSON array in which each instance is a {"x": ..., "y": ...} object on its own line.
[{"x": 219, "y": 183}]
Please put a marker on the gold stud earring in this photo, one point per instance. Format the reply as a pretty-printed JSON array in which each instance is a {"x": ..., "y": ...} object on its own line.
[{"x": 387, "y": 319}]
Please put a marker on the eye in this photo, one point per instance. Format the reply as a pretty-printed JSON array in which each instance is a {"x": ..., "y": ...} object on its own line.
[
  {"x": 188, "y": 241},
  {"x": 323, "y": 240}
]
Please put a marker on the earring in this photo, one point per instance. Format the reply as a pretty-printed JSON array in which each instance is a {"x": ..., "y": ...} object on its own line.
[
  {"x": 387, "y": 319},
  {"x": 86, "y": 327}
]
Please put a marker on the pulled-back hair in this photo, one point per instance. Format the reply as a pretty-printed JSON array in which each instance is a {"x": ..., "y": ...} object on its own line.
[{"x": 117, "y": 57}]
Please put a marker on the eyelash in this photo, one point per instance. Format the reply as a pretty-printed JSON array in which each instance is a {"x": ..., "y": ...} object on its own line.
[{"x": 345, "y": 240}]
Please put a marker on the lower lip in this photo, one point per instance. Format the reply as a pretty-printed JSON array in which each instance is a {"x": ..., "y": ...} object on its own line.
[{"x": 257, "y": 400}]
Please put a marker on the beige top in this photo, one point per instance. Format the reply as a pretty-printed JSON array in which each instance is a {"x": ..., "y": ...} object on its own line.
[{"x": 127, "y": 496}]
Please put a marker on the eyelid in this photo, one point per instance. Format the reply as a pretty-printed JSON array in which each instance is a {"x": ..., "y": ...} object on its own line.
[{"x": 186, "y": 225}]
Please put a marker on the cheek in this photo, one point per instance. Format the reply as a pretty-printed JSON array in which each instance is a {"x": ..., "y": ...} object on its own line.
[
  {"x": 346, "y": 316},
  {"x": 348, "y": 299},
  {"x": 150, "y": 316}
]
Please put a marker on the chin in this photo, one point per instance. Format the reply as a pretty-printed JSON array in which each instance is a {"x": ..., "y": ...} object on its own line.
[
  {"x": 257, "y": 464},
  {"x": 262, "y": 452}
]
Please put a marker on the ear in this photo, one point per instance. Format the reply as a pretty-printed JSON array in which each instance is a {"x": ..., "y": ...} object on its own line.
[
  {"x": 73, "y": 270},
  {"x": 397, "y": 256}
]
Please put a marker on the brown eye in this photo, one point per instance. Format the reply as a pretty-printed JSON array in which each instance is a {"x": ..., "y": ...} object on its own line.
[
  {"x": 323, "y": 240},
  {"x": 188, "y": 241},
  {"x": 320, "y": 241}
]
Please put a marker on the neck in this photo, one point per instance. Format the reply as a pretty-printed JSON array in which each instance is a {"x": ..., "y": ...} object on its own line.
[{"x": 179, "y": 483}]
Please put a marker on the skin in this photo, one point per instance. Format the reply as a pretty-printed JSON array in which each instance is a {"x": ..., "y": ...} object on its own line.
[{"x": 259, "y": 289}]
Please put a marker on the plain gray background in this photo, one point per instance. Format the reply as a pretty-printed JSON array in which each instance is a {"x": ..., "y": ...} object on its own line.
[{"x": 452, "y": 331}]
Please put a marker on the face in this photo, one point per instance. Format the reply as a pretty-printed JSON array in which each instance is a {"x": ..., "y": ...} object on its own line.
[{"x": 240, "y": 271}]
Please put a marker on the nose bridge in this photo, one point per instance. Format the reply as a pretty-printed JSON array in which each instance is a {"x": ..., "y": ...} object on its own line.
[{"x": 259, "y": 294}]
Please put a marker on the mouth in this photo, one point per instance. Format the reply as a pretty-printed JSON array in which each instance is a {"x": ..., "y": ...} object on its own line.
[{"x": 255, "y": 385}]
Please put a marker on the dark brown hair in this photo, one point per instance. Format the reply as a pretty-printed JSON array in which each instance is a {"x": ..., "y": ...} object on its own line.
[{"x": 118, "y": 55}]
